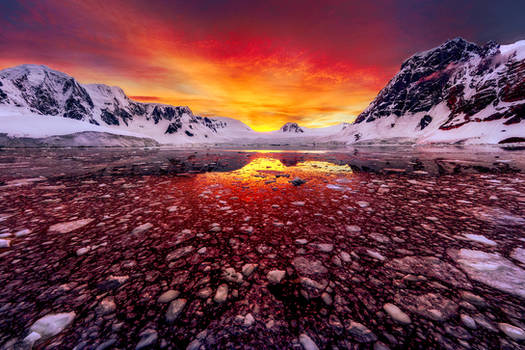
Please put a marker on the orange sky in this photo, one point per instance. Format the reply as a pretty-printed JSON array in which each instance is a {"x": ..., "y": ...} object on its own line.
[{"x": 263, "y": 62}]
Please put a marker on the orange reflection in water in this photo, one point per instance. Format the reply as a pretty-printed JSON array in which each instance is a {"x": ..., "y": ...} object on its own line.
[
  {"x": 264, "y": 169},
  {"x": 265, "y": 182}
]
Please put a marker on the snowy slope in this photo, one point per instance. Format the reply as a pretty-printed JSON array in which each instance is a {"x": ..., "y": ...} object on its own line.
[
  {"x": 291, "y": 134},
  {"x": 456, "y": 93},
  {"x": 18, "y": 122},
  {"x": 36, "y": 101},
  {"x": 31, "y": 90},
  {"x": 293, "y": 129}
]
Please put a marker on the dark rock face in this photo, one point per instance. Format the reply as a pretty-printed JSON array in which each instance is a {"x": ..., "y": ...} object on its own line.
[
  {"x": 44, "y": 96},
  {"x": 423, "y": 123},
  {"x": 109, "y": 118},
  {"x": 292, "y": 128},
  {"x": 517, "y": 114},
  {"x": 163, "y": 113},
  {"x": 212, "y": 124},
  {"x": 513, "y": 83},
  {"x": 124, "y": 115},
  {"x": 3, "y": 95},
  {"x": 173, "y": 127},
  {"x": 466, "y": 77},
  {"x": 42, "y": 100},
  {"x": 75, "y": 109}
]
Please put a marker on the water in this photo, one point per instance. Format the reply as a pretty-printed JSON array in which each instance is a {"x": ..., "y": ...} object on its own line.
[{"x": 351, "y": 230}]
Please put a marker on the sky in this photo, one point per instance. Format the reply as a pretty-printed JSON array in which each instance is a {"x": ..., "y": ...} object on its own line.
[{"x": 317, "y": 63}]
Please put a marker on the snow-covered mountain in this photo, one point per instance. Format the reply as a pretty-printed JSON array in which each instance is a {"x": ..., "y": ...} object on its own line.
[
  {"x": 291, "y": 128},
  {"x": 457, "y": 92},
  {"x": 295, "y": 130},
  {"x": 39, "y": 102},
  {"x": 35, "y": 91}
]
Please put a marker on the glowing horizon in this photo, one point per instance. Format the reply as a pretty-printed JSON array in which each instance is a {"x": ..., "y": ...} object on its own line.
[{"x": 264, "y": 63}]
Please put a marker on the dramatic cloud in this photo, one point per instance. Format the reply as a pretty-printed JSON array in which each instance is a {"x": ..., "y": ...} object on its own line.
[{"x": 264, "y": 62}]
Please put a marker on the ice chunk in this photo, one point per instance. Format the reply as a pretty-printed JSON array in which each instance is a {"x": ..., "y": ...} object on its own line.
[
  {"x": 491, "y": 269},
  {"x": 480, "y": 239},
  {"x": 50, "y": 325},
  {"x": 66, "y": 227}
]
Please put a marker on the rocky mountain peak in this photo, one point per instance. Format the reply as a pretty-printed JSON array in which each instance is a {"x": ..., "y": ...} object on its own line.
[
  {"x": 426, "y": 78},
  {"x": 454, "y": 50},
  {"x": 453, "y": 85},
  {"x": 292, "y": 128}
]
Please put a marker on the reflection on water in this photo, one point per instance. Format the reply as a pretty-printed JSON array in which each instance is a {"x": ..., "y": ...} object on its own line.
[
  {"x": 268, "y": 165},
  {"x": 281, "y": 151},
  {"x": 277, "y": 174},
  {"x": 324, "y": 167},
  {"x": 28, "y": 163},
  {"x": 252, "y": 257},
  {"x": 261, "y": 164}
]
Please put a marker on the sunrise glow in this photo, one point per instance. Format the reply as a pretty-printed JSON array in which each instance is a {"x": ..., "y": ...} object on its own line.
[{"x": 316, "y": 64}]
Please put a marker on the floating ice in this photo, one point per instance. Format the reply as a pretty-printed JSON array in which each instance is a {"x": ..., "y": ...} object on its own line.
[
  {"x": 50, "y": 325},
  {"x": 518, "y": 254},
  {"x": 66, "y": 227},
  {"x": 480, "y": 239},
  {"x": 491, "y": 269}
]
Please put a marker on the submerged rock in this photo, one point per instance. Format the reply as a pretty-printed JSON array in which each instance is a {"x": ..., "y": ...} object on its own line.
[
  {"x": 431, "y": 305},
  {"x": 5, "y": 243},
  {"x": 511, "y": 331},
  {"x": 297, "y": 181},
  {"x": 148, "y": 338},
  {"x": 376, "y": 255},
  {"x": 142, "y": 228},
  {"x": 479, "y": 239},
  {"x": 307, "y": 343},
  {"x": 305, "y": 266},
  {"x": 275, "y": 276},
  {"x": 230, "y": 275},
  {"x": 396, "y": 314},
  {"x": 106, "y": 306},
  {"x": 222, "y": 294},
  {"x": 168, "y": 296},
  {"x": 468, "y": 321},
  {"x": 248, "y": 269},
  {"x": 175, "y": 309},
  {"x": 360, "y": 332},
  {"x": 179, "y": 253}
]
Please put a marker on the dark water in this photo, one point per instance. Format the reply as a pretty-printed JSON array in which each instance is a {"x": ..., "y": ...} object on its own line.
[
  {"x": 16, "y": 163},
  {"x": 264, "y": 249}
]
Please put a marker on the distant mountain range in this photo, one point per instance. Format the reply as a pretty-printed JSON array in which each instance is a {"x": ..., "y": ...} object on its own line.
[{"x": 458, "y": 92}]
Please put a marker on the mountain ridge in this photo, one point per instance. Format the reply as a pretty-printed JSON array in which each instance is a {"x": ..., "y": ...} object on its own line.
[
  {"x": 457, "y": 92},
  {"x": 42, "y": 90}
]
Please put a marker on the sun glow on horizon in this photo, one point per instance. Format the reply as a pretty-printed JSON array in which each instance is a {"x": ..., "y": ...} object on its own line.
[
  {"x": 260, "y": 79},
  {"x": 264, "y": 63}
]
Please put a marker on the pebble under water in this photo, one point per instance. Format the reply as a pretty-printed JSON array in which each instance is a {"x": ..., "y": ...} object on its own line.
[{"x": 371, "y": 248}]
